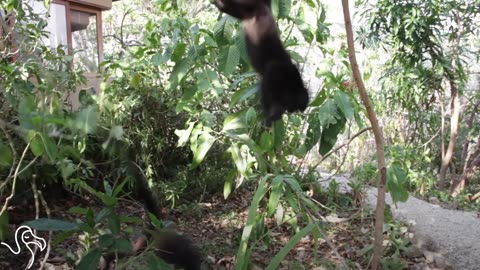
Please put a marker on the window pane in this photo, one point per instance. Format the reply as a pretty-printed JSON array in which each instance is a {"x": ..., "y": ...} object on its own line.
[
  {"x": 57, "y": 23},
  {"x": 57, "y": 26},
  {"x": 84, "y": 40}
]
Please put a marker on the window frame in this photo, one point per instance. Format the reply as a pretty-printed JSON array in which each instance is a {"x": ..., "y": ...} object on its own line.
[{"x": 69, "y": 6}]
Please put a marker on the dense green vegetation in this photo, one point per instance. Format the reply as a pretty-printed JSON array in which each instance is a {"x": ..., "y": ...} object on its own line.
[{"x": 179, "y": 102}]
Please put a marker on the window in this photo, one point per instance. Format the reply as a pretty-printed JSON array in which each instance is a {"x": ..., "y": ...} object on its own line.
[
  {"x": 57, "y": 26},
  {"x": 85, "y": 39},
  {"x": 76, "y": 26}
]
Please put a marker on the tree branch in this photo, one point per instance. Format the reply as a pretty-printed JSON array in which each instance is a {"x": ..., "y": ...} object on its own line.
[{"x": 379, "y": 140}]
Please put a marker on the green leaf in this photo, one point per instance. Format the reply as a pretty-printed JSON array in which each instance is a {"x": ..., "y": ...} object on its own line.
[
  {"x": 275, "y": 194},
  {"x": 45, "y": 224},
  {"x": 26, "y": 106},
  {"x": 179, "y": 52},
  {"x": 251, "y": 116},
  {"x": 184, "y": 134},
  {"x": 328, "y": 113},
  {"x": 266, "y": 141},
  {"x": 6, "y": 158},
  {"x": 118, "y": 72},
  {"x": 86, "y": 120},
  {"x": 119, "y": 188},
  {"x": 397, "y": 183},
  {"x": 314, "y": 132},
  {"x": 103, "y": 214},
  {"x": 41, "y": 144},
  {"x": 238, "y": 158},
  {"x": 278, "y": 134},
  {"x": 284, "y": 7},
  {"x": 229, "y": 59},
  {"x": 122, "y": 246},
  {"x": 90, "y": 261},
  {"x": 244, "y": 93},
  {"x": 136, "y": 80},
  {"x": 280, "y": 256},
  {"x": 242, "y": 256},
  {"x": 330, "y": 135},
  {"x": 4, "y": 226},
  {"x": 36, "y": 144},
  {"x": 116, "y": 132},
  {"x": 204, "y": 143},
  {"x": 78, "y": 210},
  {"x": 157, "y": 59},
  {"x": 343, "y": 102},
  {"x": 306, "y": 30},
  {"x": 234, "y": 121},
  {"x": 293, "y": 183},
  {"x": 228, "y": 186},
  {"x": 246, "y": 140},
  {"x": 50, "y": 148},
  {"x": 67, "y": 169},
  {"x": 114, "y": 224},
  {"x": 105, "y": 240},
  {"x": 179, "y": 72}
]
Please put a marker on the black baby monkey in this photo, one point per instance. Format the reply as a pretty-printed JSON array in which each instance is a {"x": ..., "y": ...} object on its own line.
[{"x": 282, "y": 87}]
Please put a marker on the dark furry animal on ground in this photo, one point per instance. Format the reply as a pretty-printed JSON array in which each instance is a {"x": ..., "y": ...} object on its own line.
[
  {"x": 172, "y": 247},
  {"x": 282, "y": 88}
]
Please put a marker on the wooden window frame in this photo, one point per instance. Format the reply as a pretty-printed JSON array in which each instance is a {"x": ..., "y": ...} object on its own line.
[{"x": 69, "y": 6}]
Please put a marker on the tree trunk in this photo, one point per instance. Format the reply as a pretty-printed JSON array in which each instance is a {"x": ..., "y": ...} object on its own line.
[
  {"x": 466, "y": 144},
  {"x": 379, "y": 141},
  {"x": 447, "y": 158},
  {"x": 455, "y": 104}
]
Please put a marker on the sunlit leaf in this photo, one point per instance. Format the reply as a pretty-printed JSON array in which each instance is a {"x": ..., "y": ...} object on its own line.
[
  {"x": 116, "y": 132},
  {"x": 86, "y": 120},
  {"x": 184, "y": 134},
  {"x": 234, "y": 121},
  {"x": 275, "y": 194},
  {"x": 204, "y": 143}
]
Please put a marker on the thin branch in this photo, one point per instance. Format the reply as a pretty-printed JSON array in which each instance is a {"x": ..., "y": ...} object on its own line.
[
  {"x": 14, "y": 157},
  {"x": 5, "y": 205},
  {"x": 379, "y": 140},
  {"x": 50, "y": 233},
  {"x": 338, "y": 148},
  {"x": 327, "y": 239}
]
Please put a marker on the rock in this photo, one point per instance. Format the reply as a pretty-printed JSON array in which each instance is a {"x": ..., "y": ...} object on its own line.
[
  {"x": 420, "y": 266},
  {"x": 438, "y": 259},
  {"x": 413, "y": 252},
  {"x": 434, "y": 200},
  {"x": 429, "y": 256}
]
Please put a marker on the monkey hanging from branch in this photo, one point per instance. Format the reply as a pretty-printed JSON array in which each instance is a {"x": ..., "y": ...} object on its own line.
[{"x": 282, "y": 88}]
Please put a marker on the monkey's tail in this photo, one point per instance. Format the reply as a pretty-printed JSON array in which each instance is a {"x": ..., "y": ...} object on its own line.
[{"x": 172, "y": 247}]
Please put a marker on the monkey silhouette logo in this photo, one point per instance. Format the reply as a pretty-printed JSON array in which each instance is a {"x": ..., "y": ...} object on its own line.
[{"x": 25, "y": 235}]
